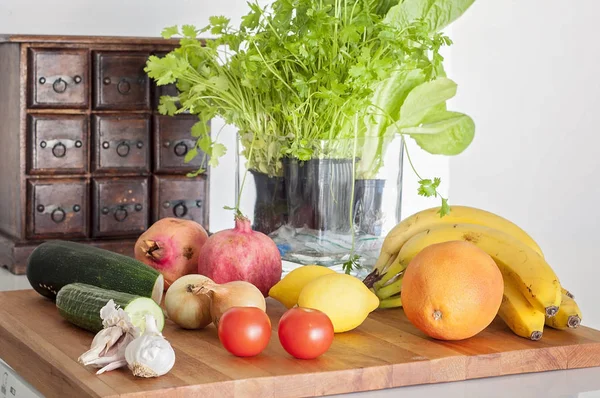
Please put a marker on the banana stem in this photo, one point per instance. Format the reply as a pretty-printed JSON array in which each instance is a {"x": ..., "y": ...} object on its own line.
[
  {"x": 392, "y": 302},
  {"x": 391, "y": 289}
]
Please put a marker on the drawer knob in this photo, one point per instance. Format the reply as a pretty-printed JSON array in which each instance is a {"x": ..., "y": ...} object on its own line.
[
  {"x": 124, "y": 87},
  {"x": 167, "y": 204},
  {"x": 180, "y": 210},
  {"x": 180, "y": 149},
  {"x": 105, "y": 145},
  {"x": 123, "y": 149},
  {"x": 43, "y": 144},
  {"x": 138, "y": 207},
  {"x": 121, "y": 214},
  {"x": 105, "y": 210},
  {"x": 59, "y": 86},
  {"x": 42, "y": 80},
  {"x": 106, "y": 81},
  {"x": 58, "y": 215},
  {"x": 140, "y": 144},
  {"x": 78, "y": 144},
  {"x": 59, "y": 150},
  {"x": 77, "y": 79},
  {"x": 76, "y": 208},
  {"x": 40, "y": 208}
]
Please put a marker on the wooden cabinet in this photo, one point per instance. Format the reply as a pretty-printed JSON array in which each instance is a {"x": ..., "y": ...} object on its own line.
[{"x": 84, "y": 153}]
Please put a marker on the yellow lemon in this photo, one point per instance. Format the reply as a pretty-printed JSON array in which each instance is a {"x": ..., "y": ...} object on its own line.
[
  {"x": 287, "y": 290},
  {"x": 344, "y": 298}
]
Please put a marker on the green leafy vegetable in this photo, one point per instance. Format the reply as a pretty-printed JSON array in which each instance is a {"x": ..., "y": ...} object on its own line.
[{"x": 437, "y": 14}]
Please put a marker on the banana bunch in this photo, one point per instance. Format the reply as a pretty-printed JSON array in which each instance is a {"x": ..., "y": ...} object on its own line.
[{"x": 533, "y": 296}]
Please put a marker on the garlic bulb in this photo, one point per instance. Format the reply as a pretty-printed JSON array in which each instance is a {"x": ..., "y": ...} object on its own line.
[
  {"x": 108, "y": 347},
  {"x": 150, "y": 355}
]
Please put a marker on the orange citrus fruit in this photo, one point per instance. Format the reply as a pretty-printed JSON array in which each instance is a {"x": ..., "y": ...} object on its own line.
[{"x": 452, "y": 290}]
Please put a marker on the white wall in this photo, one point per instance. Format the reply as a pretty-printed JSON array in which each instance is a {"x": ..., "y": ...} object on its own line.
[{"x": 528, "y": 73}]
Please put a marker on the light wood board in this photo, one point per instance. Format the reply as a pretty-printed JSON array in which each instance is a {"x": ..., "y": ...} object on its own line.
[{"x": 385, "y": 351}]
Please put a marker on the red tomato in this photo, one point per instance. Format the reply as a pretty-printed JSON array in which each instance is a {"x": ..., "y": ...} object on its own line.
[
  {"x": 305, "y": 333},
  {"x": 244, "y": 331}
]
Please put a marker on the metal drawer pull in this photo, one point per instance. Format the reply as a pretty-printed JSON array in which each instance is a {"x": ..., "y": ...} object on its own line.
[
  {"x": 181, "y": 207},
  {"x": 60, "y": 146},
  {"x": 124, "y": 87},
  {"x": 123, "y": 149},
  {"x": 181, "y": 149},
  {"x": 58, "y": 215},
  {"x": 180, "y": 210},
  {"x": 121, "y": 214},
  {"x": 59, "y": 86},
  {"x": 59, "y": 150},
  {"x": 57, "y": 212}
]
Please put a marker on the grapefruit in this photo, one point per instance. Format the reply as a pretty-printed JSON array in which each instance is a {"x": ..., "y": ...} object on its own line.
[{"x": 452, "y": 290}]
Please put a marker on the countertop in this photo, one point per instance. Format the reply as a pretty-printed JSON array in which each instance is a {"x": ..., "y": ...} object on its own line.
[{"x": 583, "y": 383}]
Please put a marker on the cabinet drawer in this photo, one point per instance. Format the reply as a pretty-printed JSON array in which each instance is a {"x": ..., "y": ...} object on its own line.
[
  {"x": 57, "y": 208},
  {"x": 181, "y": 197},
  {"x": 173, "y": 140},
  {"x": 58, "y": 78},
  {"x": 120, "y": 81},
  {"x": 121, "y": 143},
  {"x": 57, "y": 144},
  {"x": 120, "y": 206}
]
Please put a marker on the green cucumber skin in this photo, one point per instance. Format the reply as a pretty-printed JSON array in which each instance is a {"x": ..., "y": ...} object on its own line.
[
  {"x": 80, "y": 304},
  {"x": 54, "y": 264}
]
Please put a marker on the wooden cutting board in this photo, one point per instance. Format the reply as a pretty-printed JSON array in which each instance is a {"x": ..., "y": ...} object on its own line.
[{"x": 385, "y": 351}]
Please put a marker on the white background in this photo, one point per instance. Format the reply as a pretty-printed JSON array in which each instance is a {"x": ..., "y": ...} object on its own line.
[{"x": 527, "y": 73}]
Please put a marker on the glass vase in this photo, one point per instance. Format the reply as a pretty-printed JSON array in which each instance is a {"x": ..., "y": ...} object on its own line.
[{"x": 331, "y": 208}]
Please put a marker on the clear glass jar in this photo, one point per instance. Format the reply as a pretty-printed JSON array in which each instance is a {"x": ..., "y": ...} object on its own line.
[{"x": 327, "y": 209}]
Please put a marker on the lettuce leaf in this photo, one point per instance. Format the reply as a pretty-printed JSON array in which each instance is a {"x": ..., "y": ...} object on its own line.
[{"x": 436, "y": 14}]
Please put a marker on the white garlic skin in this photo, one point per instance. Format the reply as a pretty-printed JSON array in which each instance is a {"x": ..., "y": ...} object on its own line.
[{"x": 150, "y": 355}]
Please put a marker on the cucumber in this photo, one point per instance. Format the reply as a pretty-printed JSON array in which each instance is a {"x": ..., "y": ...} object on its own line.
[
  {"x": 57, "y": 263},
  {"x": 80, "y": 304}
]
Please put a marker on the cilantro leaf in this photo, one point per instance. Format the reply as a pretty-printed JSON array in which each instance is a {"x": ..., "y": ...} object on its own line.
[
  {"x": 170, "y": 31},
  {"x": 218, "y": 150},
  {"x": 189, "y": 31},
  {"x": 444, "y": 209},
  {"x": 428, "y": 188}
]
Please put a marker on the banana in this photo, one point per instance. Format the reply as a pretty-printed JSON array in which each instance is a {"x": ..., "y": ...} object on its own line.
[
  {"x": 567, "y": 293},
  {"x": 568, "y": 315},
  {"x": 535, "y": 279},
  {"x": 391, "y": 302},
  {"x": 429, "y": 218},
  {"x": 518, "y": 314},
  {"x": 390, "y": 289}
]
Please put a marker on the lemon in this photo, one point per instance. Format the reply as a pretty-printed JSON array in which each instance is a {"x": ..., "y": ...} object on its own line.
[
  {"x": 344, "y": 298},
  {"x": 287, "y": 290}
]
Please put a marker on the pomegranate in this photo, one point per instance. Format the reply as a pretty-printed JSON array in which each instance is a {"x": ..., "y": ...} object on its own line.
[
  {"x": 171, "y": 246},
  {"x": 241, "y": 254}
]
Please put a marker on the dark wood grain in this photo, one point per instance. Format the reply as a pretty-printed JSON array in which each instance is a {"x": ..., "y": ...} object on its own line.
[
  {"x": 121, "y": 142},
  {"x": 14, "y": 253},
  {"x": 120, "y": 81},
  {"x": 173, "y": 140},
  {"x": 47, "y": 138},
  {"x": 181, "y": 197},
  {"x": 57, "y": 209},
  {"x": 385, "y": 351},
  {"x": 57, "y": 144},
  {"x": 89, "y": 40},
  {"x": 10, "y": 136},
  {"x": 58, "y": 78},
  {"x": 120, "y": 206}
]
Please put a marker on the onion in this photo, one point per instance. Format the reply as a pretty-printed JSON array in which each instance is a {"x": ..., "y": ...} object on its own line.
[
  {"x": 185, "y": 306},
  {"x": 231, "y": 294},
  {"x": 241, "y": 254}
]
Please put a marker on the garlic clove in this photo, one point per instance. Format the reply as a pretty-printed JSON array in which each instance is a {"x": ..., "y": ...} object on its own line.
[
  {"x": 108, "y": 346},
  {"x": 150, "y": 355}
]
